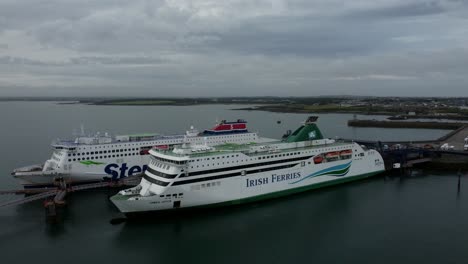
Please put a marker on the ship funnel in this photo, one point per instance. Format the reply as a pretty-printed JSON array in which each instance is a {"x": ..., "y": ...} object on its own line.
[{"x": 308, "y": 131}]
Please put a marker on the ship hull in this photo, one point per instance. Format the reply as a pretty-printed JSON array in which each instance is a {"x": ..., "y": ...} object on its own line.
[
  {"x": 85, "y": 173},
  {"x": 243, "y": 201},
  {"x": 252, "y": 187},
  {"x": 95, "y": 170}
]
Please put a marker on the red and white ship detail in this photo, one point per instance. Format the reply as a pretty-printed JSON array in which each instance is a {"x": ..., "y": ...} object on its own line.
[{"x": 224, "y": 127}]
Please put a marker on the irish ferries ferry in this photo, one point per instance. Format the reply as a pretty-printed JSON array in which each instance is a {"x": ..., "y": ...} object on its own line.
[
  {"x": 194, "y": 177},
  {"x": 93, "y": 158}
]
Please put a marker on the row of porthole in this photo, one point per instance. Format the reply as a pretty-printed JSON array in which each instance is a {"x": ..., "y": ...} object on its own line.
[
  {"x": 173, "y": 195},
  {"x": 280, "y": 155},
  {"x": 103, "y": 157},
  {"x": 222, "y": 157},
  {"x": 124, "y": 145},
  {"x": 205, "y": 185},
  {"x": 103, "y": 152},
  {"x": 207, "y": 165}
]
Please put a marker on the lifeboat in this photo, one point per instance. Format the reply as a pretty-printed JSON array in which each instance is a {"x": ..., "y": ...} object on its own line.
[
  {"x": 347, "y": 152},
  {"x": 333, "y": 154},
  {"x": 318, "y": 159},
  {"x": 144, "y": 152},
  {"x": 162, "y": 147}
]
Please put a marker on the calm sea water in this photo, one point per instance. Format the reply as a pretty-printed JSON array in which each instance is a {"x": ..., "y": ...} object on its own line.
[{"x": 420, "y": 219}]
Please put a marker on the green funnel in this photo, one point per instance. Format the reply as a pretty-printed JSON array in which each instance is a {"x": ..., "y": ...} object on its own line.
[{"x": 308, "y": 131}]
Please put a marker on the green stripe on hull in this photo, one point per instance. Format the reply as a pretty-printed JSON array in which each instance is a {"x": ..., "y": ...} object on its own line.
[
  {"x": 260, "y": 197},
  {"x": 90, "y": 162},
  {"x": 292, "y": 191}
]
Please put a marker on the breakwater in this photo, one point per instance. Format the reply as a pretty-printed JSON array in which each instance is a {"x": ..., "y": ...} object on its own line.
[{"x": 405, "y": 124}]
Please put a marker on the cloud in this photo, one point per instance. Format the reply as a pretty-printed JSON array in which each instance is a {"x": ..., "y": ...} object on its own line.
[
  {"x": 382, "y": 77},
  {"x": 407, "y": 9},
  {"x": 233, "y": 47}
]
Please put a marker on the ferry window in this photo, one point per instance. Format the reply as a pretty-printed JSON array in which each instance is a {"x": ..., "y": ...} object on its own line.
[
  {"x": 69, "y": 160},
  {"x": 180, "y": 194},
  {"x": 161, "y": 195},
  {"x": 174, "y": 195},
  {"x": 113, "y": 151},
  {"x": 74, "y": 154},
  {"x": 74, "y": 159},
  {"x": 113, "y": 156}
]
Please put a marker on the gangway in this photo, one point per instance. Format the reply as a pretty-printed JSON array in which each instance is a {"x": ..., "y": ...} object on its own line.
[{"x": 62, "y": 189}]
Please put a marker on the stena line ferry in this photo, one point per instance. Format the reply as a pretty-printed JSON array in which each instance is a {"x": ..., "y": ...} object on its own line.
[
  {"x": 95, "y": 158},
  {"x": 191, "y": 177}
]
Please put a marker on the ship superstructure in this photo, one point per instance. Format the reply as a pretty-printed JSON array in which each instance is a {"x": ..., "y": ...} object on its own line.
[
  {"x": 101, "y": 156},
  {"x": 192, "y": 176}
]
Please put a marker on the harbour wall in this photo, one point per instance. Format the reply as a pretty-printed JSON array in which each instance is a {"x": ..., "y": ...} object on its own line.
[{"x": 405, "y": 124}]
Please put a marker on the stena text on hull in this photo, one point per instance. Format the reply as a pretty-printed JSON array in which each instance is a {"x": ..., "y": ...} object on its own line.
[
  {"x": 188, "y": 177},
  {"x": 100, "y": 157}
]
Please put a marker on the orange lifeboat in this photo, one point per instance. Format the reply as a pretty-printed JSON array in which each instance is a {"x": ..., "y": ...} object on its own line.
[
  {"x": 333, "y": 154},
  {"x": 318, "y": 159},
  {"x": 162, "y": 147},
  {"x": 346, "y": 152}
]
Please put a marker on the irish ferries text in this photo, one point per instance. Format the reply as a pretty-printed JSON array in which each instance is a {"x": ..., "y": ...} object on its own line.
[{"x": 272, "y": 179}]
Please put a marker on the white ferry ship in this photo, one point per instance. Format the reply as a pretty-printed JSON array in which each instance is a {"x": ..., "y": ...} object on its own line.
[
  {"x": 193, "y": 177},
  {"x": 94, "y": 158}
]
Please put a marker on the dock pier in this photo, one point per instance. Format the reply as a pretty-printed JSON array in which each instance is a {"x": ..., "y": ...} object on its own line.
[
  {"x": 426, "y": 153},
  {"x": 56, "y": 197}
]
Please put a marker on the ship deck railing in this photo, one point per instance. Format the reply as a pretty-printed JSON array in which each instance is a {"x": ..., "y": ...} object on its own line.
[{"x": 244, "y": 149}]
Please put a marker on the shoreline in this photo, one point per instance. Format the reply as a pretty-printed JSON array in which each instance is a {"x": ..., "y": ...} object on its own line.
[{"x": 395, "y": 108}]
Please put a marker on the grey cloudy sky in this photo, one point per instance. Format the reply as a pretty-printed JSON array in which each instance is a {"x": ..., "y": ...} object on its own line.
[{"x": 233, "y": 47}]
